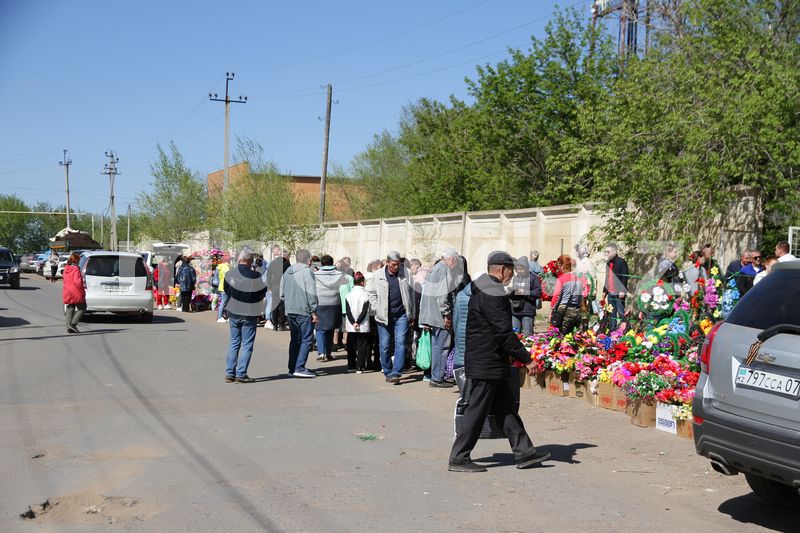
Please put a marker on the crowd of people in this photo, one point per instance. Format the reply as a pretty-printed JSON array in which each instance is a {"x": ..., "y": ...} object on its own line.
[{"x": 378, "y": 316}]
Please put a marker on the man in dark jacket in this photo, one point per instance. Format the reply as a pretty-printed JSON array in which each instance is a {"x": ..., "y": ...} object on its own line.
[
  {"x": 616, "y": 285},
  {"x": 275, "y": 270},
  {"x": 490, "y": 346}
]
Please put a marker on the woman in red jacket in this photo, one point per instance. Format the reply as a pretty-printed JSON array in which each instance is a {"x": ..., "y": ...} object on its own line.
[{"x": 74, "y": 293}]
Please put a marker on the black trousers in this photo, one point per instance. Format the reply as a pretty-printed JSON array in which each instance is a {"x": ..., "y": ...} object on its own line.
[
  {"x": 358, "y": 345},
  {"x": 278, "y": 317},
  {"x": 501, "y": 398},
  {"x": 186, "y": 299}
]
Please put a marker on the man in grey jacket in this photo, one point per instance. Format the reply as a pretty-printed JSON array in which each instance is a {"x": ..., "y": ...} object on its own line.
[
  {"x": 436, "y": 312},
  {"x": 299, "y": 294},
  {"x": 391, "y": 297}
]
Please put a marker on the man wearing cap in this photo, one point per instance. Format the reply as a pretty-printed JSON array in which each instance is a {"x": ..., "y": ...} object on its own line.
[
  {"x": 491, "y": 344},
  {"x": 436, "y": 312}
]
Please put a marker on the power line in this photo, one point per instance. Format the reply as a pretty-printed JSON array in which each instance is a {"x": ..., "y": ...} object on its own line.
[
  {"x": 419, "y": 61},
  {"x": 370, "y": 43}
]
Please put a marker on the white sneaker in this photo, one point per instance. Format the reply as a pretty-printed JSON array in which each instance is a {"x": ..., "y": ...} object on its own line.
[
  {"x": 160, "y": 307},
  {"x": 218, "y": 320},
  {"x": 268, "y": 324},
  {"x": 178, "y": 309}
]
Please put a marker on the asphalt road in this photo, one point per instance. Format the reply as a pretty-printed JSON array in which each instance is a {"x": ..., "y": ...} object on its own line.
[{"x": 131, "y": 427}]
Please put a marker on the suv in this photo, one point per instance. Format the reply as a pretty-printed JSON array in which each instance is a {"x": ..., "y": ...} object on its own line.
[
  {"x": 117, "y": 282},
  {"x": 9, "y": 268},
  {"x": 28, "y": 263},
  {"x": 746, "y": 409}
]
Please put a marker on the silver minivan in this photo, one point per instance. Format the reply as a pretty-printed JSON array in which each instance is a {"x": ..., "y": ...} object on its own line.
[
  {"x": 747, "y": 402},
  {"x": 117, "y": 282}
]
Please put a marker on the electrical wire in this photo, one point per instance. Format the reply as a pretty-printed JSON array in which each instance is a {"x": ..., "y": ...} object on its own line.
[
  {"x": 370, "y": 43},
  {"x": 419, "y": 61}
]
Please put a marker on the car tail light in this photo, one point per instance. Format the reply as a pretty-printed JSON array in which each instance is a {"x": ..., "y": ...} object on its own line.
[
  {"x": 699, "y": 420},
  {"x": 705, "y": 351}
]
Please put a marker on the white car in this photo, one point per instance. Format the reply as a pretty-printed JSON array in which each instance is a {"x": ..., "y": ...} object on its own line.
[{"x": 117, "y": 282}]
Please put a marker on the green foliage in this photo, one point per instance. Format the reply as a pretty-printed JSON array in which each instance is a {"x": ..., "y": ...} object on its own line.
[
  {"x": 663, "y": 142},
  {"x": 176, "y": 206},
  {"x": 13, "y": 226}
]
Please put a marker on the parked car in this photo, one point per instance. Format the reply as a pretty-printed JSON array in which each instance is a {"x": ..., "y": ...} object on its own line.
[
  {"x": 41, "y": 259},
  {"x": 746, "y": 410},
  {"x": 117, "y": 282},
  {"x": 9, "y": 269},
  {"x": 27, "y": 263}
]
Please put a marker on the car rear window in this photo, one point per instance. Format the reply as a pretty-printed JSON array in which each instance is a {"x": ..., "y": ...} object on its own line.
[
  {"x": 775, "y": 300},
  {"x": 110, "y": 266}
]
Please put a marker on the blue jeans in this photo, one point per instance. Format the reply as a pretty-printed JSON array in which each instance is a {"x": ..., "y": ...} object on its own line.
[
  {"x": 300, "y": 329},
  {"x": 243, "y": 336},
  {"x": 441, "y": 342},
  {"x": 324, "y": 342},
  {"x": 523, "y": 324},
  {"x": 618, "y": 310},
  {"x": 223, "y": 300},
  {"x": 396, "y": 331}
]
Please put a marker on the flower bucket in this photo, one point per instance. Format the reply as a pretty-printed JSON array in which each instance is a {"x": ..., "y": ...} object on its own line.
[{"x": 642, "y": 413}]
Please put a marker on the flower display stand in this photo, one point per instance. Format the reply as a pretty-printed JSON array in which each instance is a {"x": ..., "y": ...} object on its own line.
[{"x": 642, "y": 413}]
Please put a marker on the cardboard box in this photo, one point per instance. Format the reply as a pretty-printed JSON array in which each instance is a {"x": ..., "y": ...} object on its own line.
[
  {"x": 620, "y": 400},
  {"x": 643, "y": 413},
  {"x": 557, "y": 385},
  {"x": 685, "y": 429},
  {"x": 605, "y": 395},
  {"x": 664, "y": 420},
  {"x": 577, "y": 389},
  {"x": 538, "y": 381}
]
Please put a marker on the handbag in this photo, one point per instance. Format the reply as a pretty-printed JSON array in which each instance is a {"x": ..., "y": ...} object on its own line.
[
  {"x": 450, "y": 364},
  {"x": 424, "y": 350},
  {"x": 491, "y": 428}
]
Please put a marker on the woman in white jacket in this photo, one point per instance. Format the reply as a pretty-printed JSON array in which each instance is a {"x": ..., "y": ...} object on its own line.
[{"x": 357, "y": 326}]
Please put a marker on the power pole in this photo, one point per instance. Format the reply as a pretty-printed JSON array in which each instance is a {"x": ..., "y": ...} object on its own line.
[
  {"x": 129, "y": 227},
  {"x": 66, "y": 163},
  {"x": 110, "y": 169},
  {"x": 228, "y": 101},
  {"x": 325, "y": 156}
]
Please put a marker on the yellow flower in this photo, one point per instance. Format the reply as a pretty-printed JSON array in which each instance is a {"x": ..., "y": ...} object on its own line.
[{"x": 715, "y": 271}]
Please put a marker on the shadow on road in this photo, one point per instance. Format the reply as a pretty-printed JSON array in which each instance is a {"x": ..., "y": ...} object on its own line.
[
  {"x": 12, "y": 321},
  {"x": 83, "y": 333},
  {"x": 103, "y": 318},
  {"x": 23, "y": 288},
  {"x": 749, "y": 509},
  {"x": 561, "y": 453}
]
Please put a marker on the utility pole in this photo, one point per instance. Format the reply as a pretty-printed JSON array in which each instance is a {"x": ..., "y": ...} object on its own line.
[
  {"x": 228, "y": 101},
  {"x": 110, "y": 169},
  {"x": 102, "y": 229},
  {"x": 325, "y": 156},
  {"x": 129, "y": 227},
  {"x": 66, "y": 163}
]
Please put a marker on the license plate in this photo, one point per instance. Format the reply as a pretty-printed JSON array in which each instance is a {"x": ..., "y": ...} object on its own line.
[
  {"x": 2, "y": 277},
  {"x": 755, "y": 378}
]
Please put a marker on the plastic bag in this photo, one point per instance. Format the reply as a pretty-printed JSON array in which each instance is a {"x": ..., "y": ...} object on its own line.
[{"x": 424, "y": 350}]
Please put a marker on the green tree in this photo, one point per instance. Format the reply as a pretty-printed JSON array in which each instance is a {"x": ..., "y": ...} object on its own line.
[
  {"x": 13, "y": 226},
  {"x": 175, "y": 208}
]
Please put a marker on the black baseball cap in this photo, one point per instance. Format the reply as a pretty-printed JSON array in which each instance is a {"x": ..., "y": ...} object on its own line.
[{"x": 500, "y": 257}]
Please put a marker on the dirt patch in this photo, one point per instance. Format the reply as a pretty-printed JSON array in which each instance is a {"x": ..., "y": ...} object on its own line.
[{"x": 90, "y": 508}]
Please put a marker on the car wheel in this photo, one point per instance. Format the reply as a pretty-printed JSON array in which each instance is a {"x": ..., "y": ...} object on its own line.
[
  {"x": 773, "y": 492},
  {"x": 15, "y": 284},
  {"x": 146, "y": 317}
]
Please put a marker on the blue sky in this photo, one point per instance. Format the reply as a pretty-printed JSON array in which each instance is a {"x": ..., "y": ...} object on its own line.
[{"x": 90, "y": 76}]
